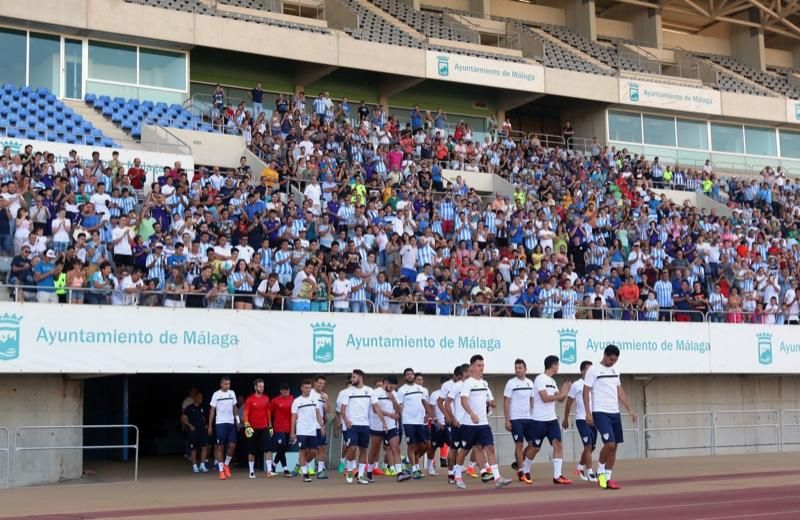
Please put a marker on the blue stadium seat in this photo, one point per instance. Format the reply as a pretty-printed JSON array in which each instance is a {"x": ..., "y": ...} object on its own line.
[
  {"x": 31, "y": 134},
  {"x": 90, "y": 99},
  {"x": 4, "y": 122},
  {"x": 50, "y": 122},
  {"x": 127, "y": 124},
  {"x": 27, "y": 90},
  {"x": 96, "y": 132},
  {"x": 4, "y": 111},
  {"x": 12, "y": 132},
  {"x": 50, "y": 111},
  {"x": 50, "y": 99},
  {"x": 69, "y": 125},
  {"x": 42, "y": 92},
  {"x": 117, "y": 117},
  {"x": 40, "y": 127},
  {"x": 51, "y": 136},
  {"x": 71, "y": 138},
  {"x": 13, "y": 120},
  {"x": 16, "y": 95},
  {"x": 120, "y": 100},
  {"x": 8, "y": 88},
  {"x": 107, "y": 111},
  {"x": 60, "y": 130},
  {"x": 87, "y": 127},
  {"x": 107, "y": 142},
  {"x": 59, "y": 118},
  {"x": 136, "y": 132}
]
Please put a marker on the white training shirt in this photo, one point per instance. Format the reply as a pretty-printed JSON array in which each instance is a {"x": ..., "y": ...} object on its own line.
[
  {"x": 520, "y": 391},
  {"x": 316, "y": 396},
  {"x": 306, "y": 410},
  {"x": 412, "y": 397},
  {"x": 543, "y": 411},
  {"x": 223, "y": 402},
  {"x": 434, "y": 400},
  {"x": 455, "y": 394},
  {"x": 444, "y": 391},
  {"x": 478, "y": 395},
  {"x": 381, "y": 397},
  {"x": 358, "y": 403},
  {"x": 342, "y": 397},
  {"x": 576, "y": 392},
  {"x": 604, "y": 382}
]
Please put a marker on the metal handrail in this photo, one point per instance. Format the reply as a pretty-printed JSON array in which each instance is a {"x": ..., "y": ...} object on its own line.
[
  {"x": 709, "y": 428},
  {"x": 776, "y": 425},
  {"x": 7, "y": 451},
  {"x": 134, "y": 446},
  {"x": 784, "y": 425}
]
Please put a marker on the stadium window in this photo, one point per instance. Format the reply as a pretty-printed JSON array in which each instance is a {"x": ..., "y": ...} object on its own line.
[
  {"x": 760, "y": 141},
  {"x": 659, "y": 130},
  {"x": 790, "y": 144},
  {"x": 162, "y": 69},
  {"x": 727, "y": 138},
  {"x": 112, "y": 62},
  {"x": 692, "y": 134},
  {"x": 625, "y": 127},
  {"x": 44, "y": 61},
  {"x": 12, "y": 59}
]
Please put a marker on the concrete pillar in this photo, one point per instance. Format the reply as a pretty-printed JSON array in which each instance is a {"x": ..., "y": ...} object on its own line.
[
  {"x": 647, "y": 25},
  {"x": 414, "y": 4},
  {"x": 580, "y": 16},
  {"x": 796, "y": 56},
  {"x": 747, "y": 43},
  {"x": 481, "y": 7}
]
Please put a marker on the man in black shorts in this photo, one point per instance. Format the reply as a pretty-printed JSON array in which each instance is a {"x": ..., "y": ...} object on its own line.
[{"x": 194, "y": 419}]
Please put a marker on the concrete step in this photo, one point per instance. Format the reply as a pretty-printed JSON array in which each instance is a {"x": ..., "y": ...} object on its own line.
[
  {"x": 552, "y": 40},
  {"x": 391, "y": 19},
  {"x": 105, "y": 125}
]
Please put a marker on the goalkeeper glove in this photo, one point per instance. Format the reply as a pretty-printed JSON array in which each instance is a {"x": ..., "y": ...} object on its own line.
[{"x": 248, "y": 430}]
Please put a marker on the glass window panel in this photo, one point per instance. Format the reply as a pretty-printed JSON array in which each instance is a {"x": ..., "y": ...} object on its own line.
[
  {"x": 760, "y": 141},
  {"x": 790, "y": 144},
  {"x": 624, "y": 126},
  {"x": 162, "y": 69},
  {"x": 659, "y": 130},
  {"x": 692, "y": 134},
  {"x": 12, "y": 57},
  {"x": 727, "y": 138},
  {"x": 73, "y": 65},
  {"x": 45, "y": 61},
  {"x": 112, "y": 62}
]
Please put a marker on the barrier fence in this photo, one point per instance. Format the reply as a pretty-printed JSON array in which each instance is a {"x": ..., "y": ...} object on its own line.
[
  {"x": 38, "y": 447},
  {"x": 7, "y": 457}
]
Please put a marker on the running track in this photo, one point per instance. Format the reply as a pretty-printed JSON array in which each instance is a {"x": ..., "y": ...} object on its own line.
[{"x": 768, "y": 503}]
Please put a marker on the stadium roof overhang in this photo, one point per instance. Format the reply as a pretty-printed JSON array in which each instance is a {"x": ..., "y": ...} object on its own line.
[{"x": 775, "y": 17}]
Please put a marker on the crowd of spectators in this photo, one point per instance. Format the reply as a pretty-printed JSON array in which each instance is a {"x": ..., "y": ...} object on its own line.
[{"x": 354, "y": 213}]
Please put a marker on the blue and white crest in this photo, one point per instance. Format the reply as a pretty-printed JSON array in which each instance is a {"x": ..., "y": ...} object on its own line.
[
  {"x": 9, "y": 336},
  {"x": 443, "y": 65},
  {"x": 764, "y": 348},
  {"x": 322, "y": 342},
  {"x": 633, "y": 92},
  {"x": 568, "y": 345}
]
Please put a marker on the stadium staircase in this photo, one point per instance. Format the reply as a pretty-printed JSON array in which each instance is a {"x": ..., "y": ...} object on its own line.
[
  {"x": 391, "y": 20},
  {"x": 553, "y": 41},
  {"x": 108, "y": 128}
]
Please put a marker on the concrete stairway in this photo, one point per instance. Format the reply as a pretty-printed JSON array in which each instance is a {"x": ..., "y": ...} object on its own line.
[{"x": 106, "y": 126}]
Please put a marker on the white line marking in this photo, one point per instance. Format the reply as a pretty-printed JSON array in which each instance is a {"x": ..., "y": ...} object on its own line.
[{"x": 751, "y": 515}]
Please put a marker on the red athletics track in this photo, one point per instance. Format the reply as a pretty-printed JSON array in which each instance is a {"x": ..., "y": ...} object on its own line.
[{"x": 701, "y": 488}]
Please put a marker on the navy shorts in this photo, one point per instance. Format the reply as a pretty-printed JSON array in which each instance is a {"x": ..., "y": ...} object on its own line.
[
  {"x": 546, "y": 429},
  {"x": 439, "y": 436},
  {"x": 453, "y": 438},
  {"x": 476, "y": 435},
  {"x": 522, "y": 430},
  {"x": 588, "y": 433},
  {"x": 322, "y": 438},
  {"x": 307, "y": 442},
  {"x": 197, "y": 439},
  {"x": 609, "y": 427},
  {"x": 357, "y": 436},
  {"x": 417, "y": 433},
  {"x": 279, "y": 439},
  {"x": 226, "y": 433},
  {"x": 386, "y": 436}
]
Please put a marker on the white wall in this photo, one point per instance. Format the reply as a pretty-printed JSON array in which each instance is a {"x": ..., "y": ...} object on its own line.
[{"x": 42, "y": 400}]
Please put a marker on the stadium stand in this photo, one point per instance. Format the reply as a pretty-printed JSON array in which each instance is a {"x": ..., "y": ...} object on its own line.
[
  {"x": 130, "y": 114},
  {"x": 770, "y": 81},
  {"x": 429, "y": 23},
  {"x": 603, "y": 53},
  {"x": 374, "y": 28},
  {"x": 38, "y": 115}
]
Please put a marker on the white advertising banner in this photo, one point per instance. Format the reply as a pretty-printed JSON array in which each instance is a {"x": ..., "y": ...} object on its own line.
[
  {"x": 792, "y": 111},
  {"x": 481, "y": 71},
  {"x": 756, "y": 349},
  {"x": 672, "y": 97},
  {"x": 43, "y": 338},
  {"x": 152, "y": 162}
]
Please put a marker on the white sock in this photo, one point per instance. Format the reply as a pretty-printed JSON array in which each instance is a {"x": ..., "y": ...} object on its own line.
[
  {"x": 203, "y": 466},
  {"x": 252, "y": 465},
  {"x": 601, "y": 469},
  {"x": 361, "y": 469},
  {"x": 195, "y": 468},
  {"x": 527, "y": 465},
  {"x": 269, "y": 466},
  {"x": 430, "y": 465},
  {"x": 398, "y": 467},
  {"x": 608, "y": 474},
  {"x": 496, "y": 472},
  {"x": 351, "y": 465},
  {"x": 557, "y": 467},
  {"x": 228, "y": 461},
  {"x": 320, "y": 466},
  {"x": 415, "y": 467},
  {"x": 457, "y": 471},
  {"x": 309, "y": 466},
  {"x": 221, "y": 467},
  {"x": 581, "y": 467},
  {"x": 472, "y": 465},
  {"x": 369, "y": 467},
  {"x": 341, "y": 460}
]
